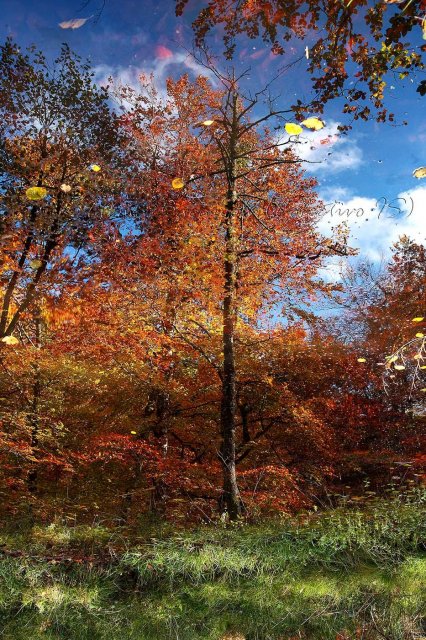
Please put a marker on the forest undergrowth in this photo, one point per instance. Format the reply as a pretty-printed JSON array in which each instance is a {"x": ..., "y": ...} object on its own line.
[{"x": 339, "y": 574}]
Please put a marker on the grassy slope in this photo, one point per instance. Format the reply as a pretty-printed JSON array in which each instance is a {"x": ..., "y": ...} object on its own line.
[{"x": 335, "y": 573}]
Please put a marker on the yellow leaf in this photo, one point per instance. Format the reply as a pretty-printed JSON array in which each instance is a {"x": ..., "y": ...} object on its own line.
[
  {"x": 423, "y": 366},
  {"x": 422, "y": 389},
  {"x": 10, "y": 340},
  {"x": 391, "y": 359},
  {"x": 178, "y": 183},
  {"x": 95, "y": 168},
  {"x": 293, "y": 129},
  {"x": 420, "y": 335},
  {"x": 35, "y": 264},
  {"x": 208, "y": 123},
  {"x": 134, "y": 433},
  {"x": 399, "y": 367},
  {"x": 418, "y": 356},
  {"x": 65, "y": 188},
  {"x": 36, "y": 193},
  {"x": 313, "y": 123},
  {"x": 361, "y": 360},
  {"x": 418, "y": 319}
]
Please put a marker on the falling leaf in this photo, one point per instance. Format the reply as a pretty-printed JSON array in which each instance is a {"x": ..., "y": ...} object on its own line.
[
  {"x": 420, "y": 335},
  {"x": 178, "y": 183},
  {"x": 36, "y": 193},
  {"x": 10, "y": 340},
  {"x": 420, "y": 172},
  {"x": 65, "y": 188},
  {"x": 313, "y": 123},
  {"x": 293, "y": 129},
  {"x": 134, "y": 433},
  {"x": 399, "y": 367},
  {"x": 361, "y": 360},
  {"x": 208, "y": 123},
  {"x": 418, "y": 319},
  {"x": 95, "y": 168},
  {"x": 35, "y": 264},
  {"x": 76, "y": 23}
]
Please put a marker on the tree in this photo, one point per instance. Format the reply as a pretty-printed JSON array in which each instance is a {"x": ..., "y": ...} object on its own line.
[
  {"x": 55, "y": 126},
  {"x": 387, "y": 308},
  {"x": 236, "y": 180},
  {"x": 353, "y": 40}
]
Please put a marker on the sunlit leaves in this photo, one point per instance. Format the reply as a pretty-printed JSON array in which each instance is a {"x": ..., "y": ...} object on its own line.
[
  {"x": 418, "y": 319},
  {"x": 391, "y": 359},
  {"x": 36, "y": 193},
  {"x": 178, "y": 183},
  {"x": 420, "y": 172},
  {"x": 420, "y": 335},
  {"x": 293, "y": 129},
  {"x": 361, "y": 360},
  {"x": 95, "y": 167},
  {"x": 313, "y": 123},
  {"x": 10, "y": 340}
]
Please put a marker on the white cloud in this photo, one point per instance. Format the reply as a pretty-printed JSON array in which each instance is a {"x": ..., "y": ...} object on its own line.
[
  {"x": 331, "y": 151},
  {"x": 375, "y": 225},
  {"x": 160, "y": 67}
]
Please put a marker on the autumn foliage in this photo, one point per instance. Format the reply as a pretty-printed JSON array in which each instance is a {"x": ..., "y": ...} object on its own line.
[{"x": 158, "y": 309}]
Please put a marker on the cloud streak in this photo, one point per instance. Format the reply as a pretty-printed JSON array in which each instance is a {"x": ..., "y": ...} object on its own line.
[
  {"x": 375, "y": 225},
  {"x": 329, "y": 150},
  {"x": 163, "y": 65}
]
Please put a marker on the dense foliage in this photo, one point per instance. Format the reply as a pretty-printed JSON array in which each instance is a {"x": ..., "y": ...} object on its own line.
[{"x": 159, "y": 348}]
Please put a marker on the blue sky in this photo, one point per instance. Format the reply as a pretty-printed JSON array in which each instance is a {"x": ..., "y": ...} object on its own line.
[{"x": 373, "y": 161}]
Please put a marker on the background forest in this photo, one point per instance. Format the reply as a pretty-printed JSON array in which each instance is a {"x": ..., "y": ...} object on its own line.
[{"x": 193, "y": 414}]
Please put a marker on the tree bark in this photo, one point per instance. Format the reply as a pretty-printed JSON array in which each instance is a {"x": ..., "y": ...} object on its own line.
[
  {"x": 34, "y": 418},
  {"x": 231, "y": 495}
]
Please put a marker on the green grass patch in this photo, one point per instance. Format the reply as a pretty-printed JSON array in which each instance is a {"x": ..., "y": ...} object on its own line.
[{"x": 357, "y": 573}]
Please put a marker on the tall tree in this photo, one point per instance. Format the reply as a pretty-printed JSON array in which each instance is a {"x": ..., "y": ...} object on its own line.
[{"x": 232, "y": 173}]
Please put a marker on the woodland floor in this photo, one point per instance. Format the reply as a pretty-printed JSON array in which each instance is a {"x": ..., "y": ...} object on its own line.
[{"x": 342, "y": 574}]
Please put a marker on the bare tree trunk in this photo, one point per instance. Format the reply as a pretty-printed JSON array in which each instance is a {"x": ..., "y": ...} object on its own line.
[
  {"x": 34, "y": 419},
  {"x": 231, "y": 495}
]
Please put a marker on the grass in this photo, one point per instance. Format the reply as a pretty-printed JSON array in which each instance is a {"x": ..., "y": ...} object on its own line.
[{"x": 343, "y": 574}]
